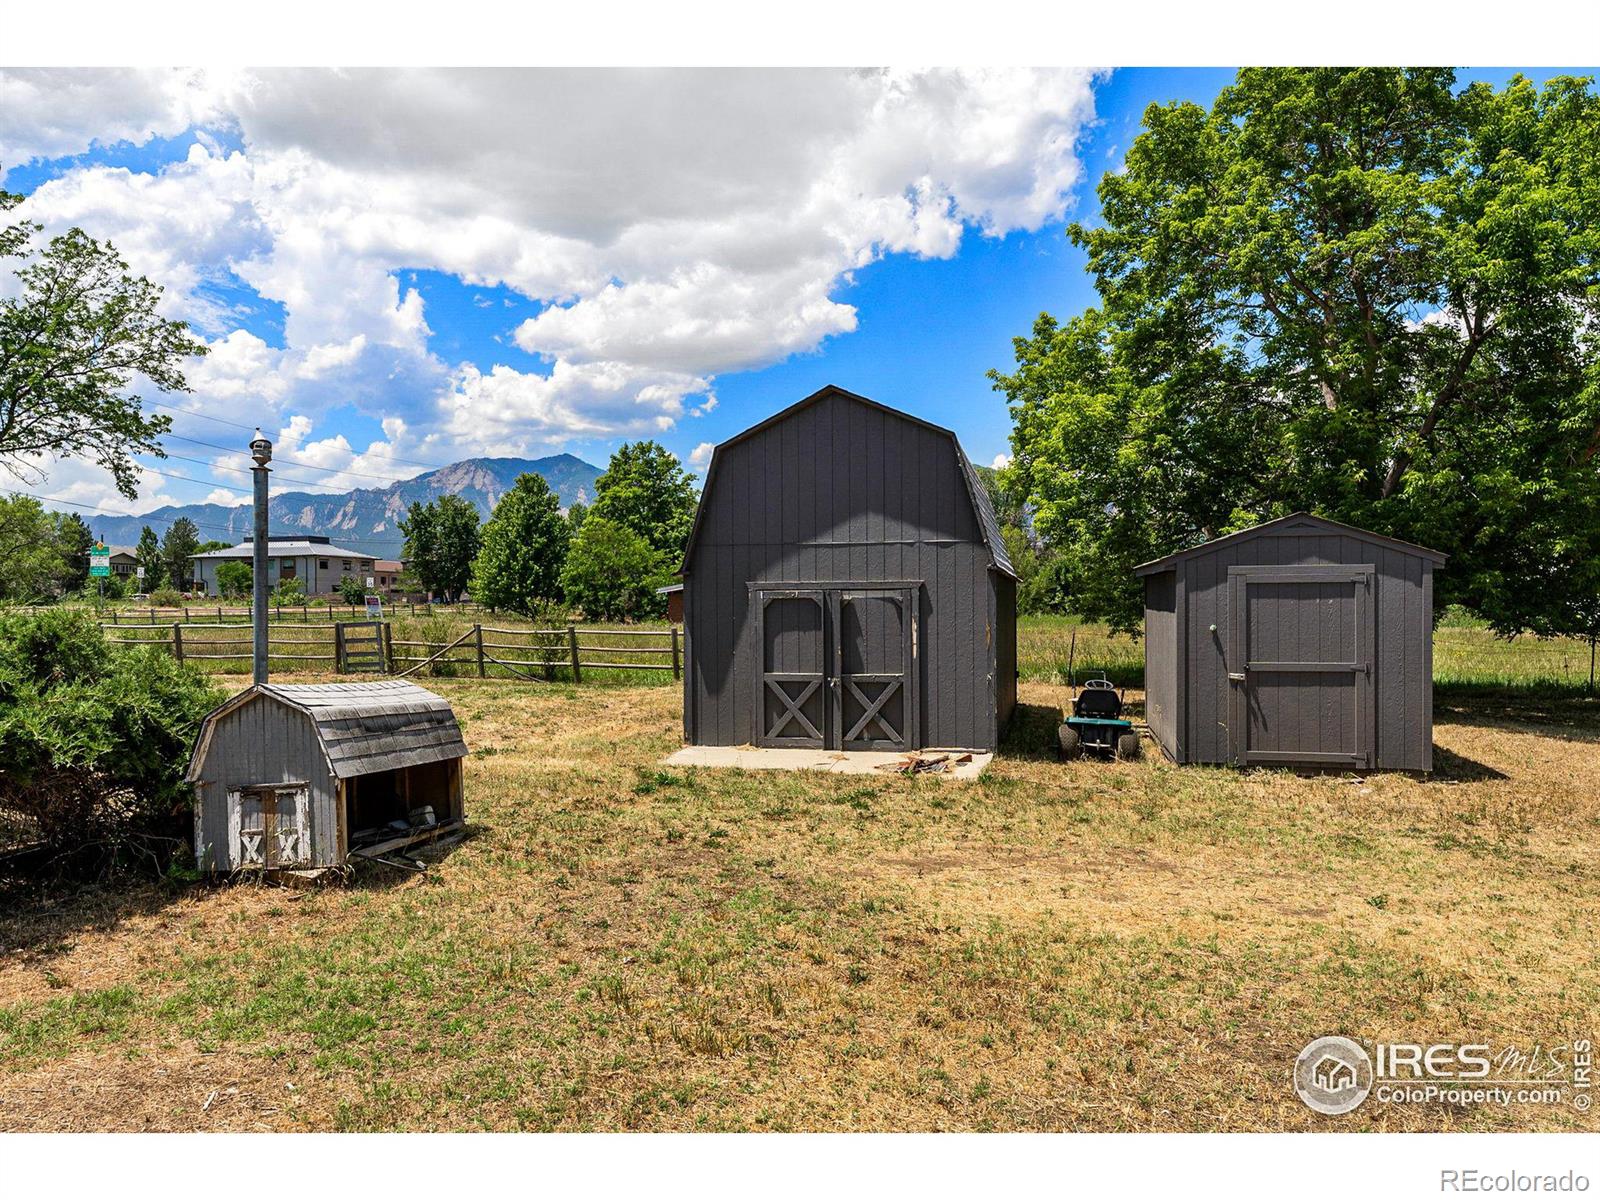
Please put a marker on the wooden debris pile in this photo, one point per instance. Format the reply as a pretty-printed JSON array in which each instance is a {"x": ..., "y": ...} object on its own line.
[{"x": 926, "y": 762}]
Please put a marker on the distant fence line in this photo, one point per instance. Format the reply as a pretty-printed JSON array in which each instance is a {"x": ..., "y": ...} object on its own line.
[
  {"x": 303, "y": 613},
  {"x": 535, "y": 654}
]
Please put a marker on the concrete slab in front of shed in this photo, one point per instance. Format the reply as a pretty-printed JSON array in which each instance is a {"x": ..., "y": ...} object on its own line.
[{"x": 838, "y": 762}]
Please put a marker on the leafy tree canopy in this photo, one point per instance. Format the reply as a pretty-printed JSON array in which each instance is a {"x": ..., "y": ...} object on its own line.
[
  {"x": 1359, "y": 292},
  {"x": 612, "y": 573},
  {"x": 148, "y": 553},
  {"x": 235, "y": 578},
  {"x": 441, "y": 542},
  {"x": 524, "y": 550},
  {"x": 645, "y": 488},
  {"x": 31, "y": 558},
  {"x": 76, "y": 330}
]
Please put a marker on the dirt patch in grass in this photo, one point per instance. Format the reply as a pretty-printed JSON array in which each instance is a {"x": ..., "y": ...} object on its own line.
[{"x": 623, "y": 945}]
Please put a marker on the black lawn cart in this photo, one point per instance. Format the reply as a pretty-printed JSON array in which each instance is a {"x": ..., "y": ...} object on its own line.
[{"x": 1097, "y": 725}]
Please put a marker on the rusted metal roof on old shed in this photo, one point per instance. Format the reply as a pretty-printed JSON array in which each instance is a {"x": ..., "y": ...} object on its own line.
[{"x": 363, "y": 727}]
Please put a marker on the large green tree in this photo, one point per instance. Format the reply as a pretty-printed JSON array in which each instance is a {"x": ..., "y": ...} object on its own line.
[
  {"x": 524, "y": 549},
  {"x": 75, "y": 539},
  {"x": 76, "y": 331},
  {"x": 30, "y": 552},
  {"x": 1366, "y": 293},
  {"x": 612, "y": 573},
  {"x": 442, "y": 540},
  {"x": 179, "y": 544},
  {"x": 646, "y": 488}
]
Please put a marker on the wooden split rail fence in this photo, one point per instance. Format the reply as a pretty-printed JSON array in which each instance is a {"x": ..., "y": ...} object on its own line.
[{"x": 354, "y": 647}]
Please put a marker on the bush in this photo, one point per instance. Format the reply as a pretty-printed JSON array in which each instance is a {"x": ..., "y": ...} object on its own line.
[
  {"x": 352, "y": 590},
  {"x": 234, "y": 578},
  {"x": 290, "y": 590},
  {"x": 93, "y": 744},
  {"x": 166, "y": 597}
]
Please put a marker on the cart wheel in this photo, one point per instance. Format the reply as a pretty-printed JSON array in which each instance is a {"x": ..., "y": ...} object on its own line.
[
  {"x": 1128, "y": 746},
  {"x": 1071, "y": 743}
]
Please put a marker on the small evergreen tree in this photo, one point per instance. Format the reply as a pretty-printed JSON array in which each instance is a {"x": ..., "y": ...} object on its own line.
[
  {"x": 181, "y": 543},
  {"x": 148, "y": 554}
]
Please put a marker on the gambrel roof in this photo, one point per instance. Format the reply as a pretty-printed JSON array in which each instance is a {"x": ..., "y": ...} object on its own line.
[
  {"x": 362, "y": 727},
  {"x": 977, "y": 494},
  {"x": 1294, "y": 524}
]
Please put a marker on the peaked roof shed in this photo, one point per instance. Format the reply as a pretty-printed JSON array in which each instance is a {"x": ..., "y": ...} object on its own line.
[
  {"x": 298, "y": 775},
  {"x": 1301, "y": 641},
  {"x": 846, "y": 587}
]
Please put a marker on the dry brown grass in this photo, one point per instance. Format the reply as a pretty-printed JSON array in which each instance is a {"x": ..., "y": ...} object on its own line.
[{"x": 1057, "y": 946}]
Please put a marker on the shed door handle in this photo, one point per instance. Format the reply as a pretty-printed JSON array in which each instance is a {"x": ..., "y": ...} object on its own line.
[{"x": 1236, "y": 676}]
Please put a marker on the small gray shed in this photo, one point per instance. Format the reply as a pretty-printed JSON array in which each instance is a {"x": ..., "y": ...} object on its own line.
[
  {"x": 1300, "y": 642},
  {"x": 845, "y": 586},
  {"x": 291, "y": 776}
]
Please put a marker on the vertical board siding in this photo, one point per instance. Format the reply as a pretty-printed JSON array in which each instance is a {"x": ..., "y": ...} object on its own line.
[
  {"x": 264, "y": 742},
  {"x": 1160, "y": 659},
  {"x": 842, "y": 491},
  {"x": 1317, "y": 623}
]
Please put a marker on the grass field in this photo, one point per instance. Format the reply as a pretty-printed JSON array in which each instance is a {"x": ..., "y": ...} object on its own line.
[{"x": 1056, "y": 946}]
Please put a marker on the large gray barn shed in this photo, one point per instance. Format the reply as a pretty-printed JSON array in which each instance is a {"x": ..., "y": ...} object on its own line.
[
  {"x": 1298, "y": 642},
  {"x": 846, "y": 586},
  {"x": 292, "y": 776}
]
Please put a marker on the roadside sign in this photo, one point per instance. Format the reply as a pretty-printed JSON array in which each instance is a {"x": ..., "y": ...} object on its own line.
[
  {"x": 371, "y": 583},
  {"x": 100, "y": 559},
  {"x": 375, "y": 607},
  {"x": 138, "y": 572}
]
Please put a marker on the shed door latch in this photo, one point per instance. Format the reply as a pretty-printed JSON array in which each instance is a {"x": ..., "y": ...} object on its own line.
[{"x": 1236, "y": 676}]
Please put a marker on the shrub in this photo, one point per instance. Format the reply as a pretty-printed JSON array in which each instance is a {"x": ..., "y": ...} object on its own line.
[
  {"x": 290, "y": 590},
  {"x": 166, "y": 597},
  {"x": 352, "y": 590},
  {"x": 234, "y": 578},
  {"x": 93, "y": 744}
]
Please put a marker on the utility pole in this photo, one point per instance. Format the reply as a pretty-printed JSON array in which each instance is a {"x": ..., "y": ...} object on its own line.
[{"x": 261, "y": 451}]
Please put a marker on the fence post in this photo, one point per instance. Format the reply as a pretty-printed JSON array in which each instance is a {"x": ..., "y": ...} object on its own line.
[
  {"x": 338, "y": 647},
  {"x": 114, "y": 619},
  {"x": 572, "y": 641},
  {"x": 388, "y": 648},
  {"x": 477, "y": 630},
  {"x": 177, "y": 640},
  {"x": 675, "y": 668}
]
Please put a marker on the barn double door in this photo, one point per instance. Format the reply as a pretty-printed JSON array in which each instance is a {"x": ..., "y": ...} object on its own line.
[
  {"x": 837, "y": 667},
  {"x": 1300, "y": 664}
]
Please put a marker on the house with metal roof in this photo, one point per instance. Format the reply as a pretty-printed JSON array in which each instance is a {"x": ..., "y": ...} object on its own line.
[
  {"x": 303, "y": 776},
  {"x": 313, "y": 559},
  {"x": 845, "y": 586}
]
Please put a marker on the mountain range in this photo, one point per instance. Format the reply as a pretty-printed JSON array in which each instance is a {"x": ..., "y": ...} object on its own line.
[{"x": 365, "y": 519}]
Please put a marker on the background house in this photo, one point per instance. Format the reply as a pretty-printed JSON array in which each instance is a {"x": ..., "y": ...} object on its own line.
[{"x": 311, "y": 558}]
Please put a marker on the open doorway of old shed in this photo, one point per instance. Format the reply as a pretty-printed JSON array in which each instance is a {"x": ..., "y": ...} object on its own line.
[
  {"x": 381, "y": 805},
  {"x": 957, "y": 764}
]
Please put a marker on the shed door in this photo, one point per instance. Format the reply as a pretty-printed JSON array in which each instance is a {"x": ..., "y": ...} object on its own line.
[
  {"x": 873, "y": 677},
  {"x": 791, "y": 700},
  {"x": 1300, "y": 664},
  {"x": 269, "y": 827}
]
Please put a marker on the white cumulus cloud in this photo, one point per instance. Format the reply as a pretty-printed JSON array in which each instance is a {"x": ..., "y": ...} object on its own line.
[{"x": 671, "y": 225}]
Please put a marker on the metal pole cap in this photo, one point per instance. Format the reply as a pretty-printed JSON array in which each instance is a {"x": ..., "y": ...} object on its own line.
[{"x": 260, "y": 449}]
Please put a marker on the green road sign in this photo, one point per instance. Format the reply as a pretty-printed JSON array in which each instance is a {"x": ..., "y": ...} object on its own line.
[{"x": 100, "y": 560}]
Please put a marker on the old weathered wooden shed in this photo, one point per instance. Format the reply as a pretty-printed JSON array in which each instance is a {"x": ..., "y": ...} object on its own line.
[
  {"x": 300, "y": 775},
  {"x": 1300, "y": 642},
  {"x": 846, "y": 586}
]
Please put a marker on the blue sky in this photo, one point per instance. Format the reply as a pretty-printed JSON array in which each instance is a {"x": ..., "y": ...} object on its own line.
[{"x": 381, "y": 296}]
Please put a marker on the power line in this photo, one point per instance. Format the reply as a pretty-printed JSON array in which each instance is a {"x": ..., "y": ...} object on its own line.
[
  {"x": 242, "y": 471},
  {"x": 252, "y": 428},
  {"x": 295, "y": 461}
]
